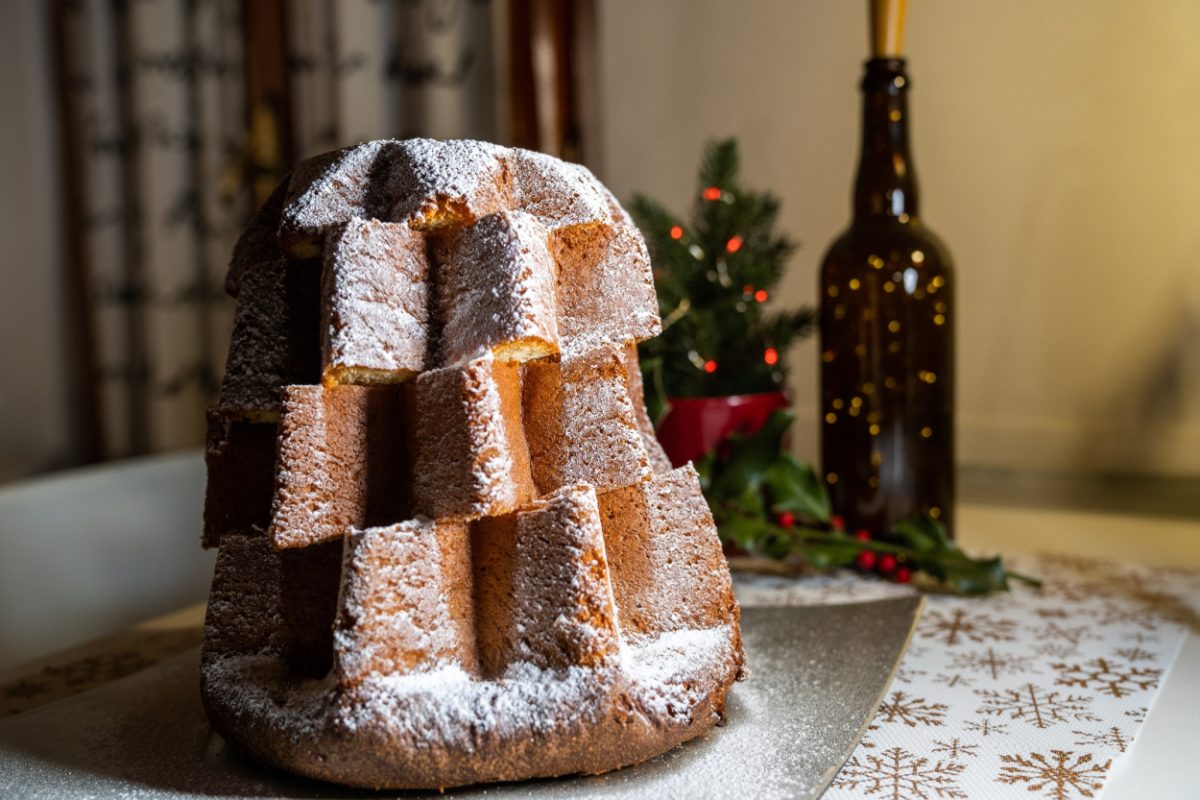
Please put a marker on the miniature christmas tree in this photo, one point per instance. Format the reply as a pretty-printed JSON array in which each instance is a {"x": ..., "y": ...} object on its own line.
[{"x": 715, "y": 275}]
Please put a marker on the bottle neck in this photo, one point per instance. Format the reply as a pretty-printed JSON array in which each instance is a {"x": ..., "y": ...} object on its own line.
[{"x": 886, "y": 187}]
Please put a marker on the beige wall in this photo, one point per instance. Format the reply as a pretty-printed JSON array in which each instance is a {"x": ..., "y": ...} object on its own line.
[{"x": 1058, "y": 150}]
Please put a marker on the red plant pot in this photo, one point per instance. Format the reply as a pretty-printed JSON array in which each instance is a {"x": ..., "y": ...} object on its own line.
[{"x": 695, "y": 425}]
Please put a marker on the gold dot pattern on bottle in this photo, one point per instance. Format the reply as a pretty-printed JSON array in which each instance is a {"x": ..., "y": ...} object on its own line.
[
  {"x": 940, "y": 307},
  {"x": 838, "y": 404},
  {"x": 831, "y": 477},
  {"x": 926, "y": 432},
  {"x": 860, "y": 349},
  {"x": 876, "y": 458},
  {"x": 939, "y": 319},
  {"x": 873, "y": 430},
  {"x": 894, "y": 115},
  {"x": 873, "y": 481},
  {"x": 935, "y": 512},
  {"x": 893, "y": 347},
  {"x": 839, "y": 312},
  {"x": 832, "y": 291},
  {"x": 894, "y": 326},
  {"x": 890, "y": 383},
  {"x": 903, "y": 217},
  {"x": 918, "y": 257},
  {"x": 831, "y": 418},
  {"x": 889, "y": 287},
  {"x": 927, "y": 376},
  {"x": 868, "y": 388},
  {"x": 875, "y": 261},
  {"x": 854, "y": 284},
  {"x": 828, "y": 356},
  {"x": 855, "y": 402},
  {"x": 868, "y": 314},
  {"x": 938, "y": 281},
  {"x": 854, "y": 411}
]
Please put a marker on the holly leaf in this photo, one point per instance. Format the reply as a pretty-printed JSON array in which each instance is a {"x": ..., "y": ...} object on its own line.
[
  {"x": 923, "y": 535},
  {"x": 743, "y": 530},
  {"x": 826, "y": 555},
  {"x": 793, "y": 486},
  {"x": 750, "y": 457}
]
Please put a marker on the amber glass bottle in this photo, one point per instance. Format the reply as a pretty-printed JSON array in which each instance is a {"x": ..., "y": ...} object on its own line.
[{"x": 887, "y": 344}]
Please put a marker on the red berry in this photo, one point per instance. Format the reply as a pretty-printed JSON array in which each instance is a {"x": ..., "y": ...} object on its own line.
[
  {"x": 887, "y": 564},
  {"x": 865, "y": 560},
  {"x": 786, "y": 518},
  {"x": 863, "y": 536},
  {"x": 837, "y": 522},
  {"x": 903, "y": 575}
]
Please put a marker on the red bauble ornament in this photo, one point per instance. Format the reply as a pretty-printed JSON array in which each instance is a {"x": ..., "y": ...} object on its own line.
[
  {"x": 837, "y": 522},
  {"x": 863, "y": 536},
  {"x": 903, "y": 575},
  {"x": 887, "y": 564},
  {"x": 786, "y": 519},
  {"x": 865, "y": 560}
]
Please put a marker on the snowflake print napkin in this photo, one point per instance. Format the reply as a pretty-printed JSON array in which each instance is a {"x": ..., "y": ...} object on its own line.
[{"x": 1025, "y": 694}]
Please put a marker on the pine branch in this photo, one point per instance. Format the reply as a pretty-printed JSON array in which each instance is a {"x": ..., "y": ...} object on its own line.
[{"x": 719, "y": 164}]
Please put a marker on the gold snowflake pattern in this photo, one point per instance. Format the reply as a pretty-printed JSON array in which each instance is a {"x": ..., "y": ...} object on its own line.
[
  {"x": 1135, "y": 654},
  {"x": 1035, "y": 705},
  {"x": 1109, "y": 677},
  {"x": 950, "y": 681},
  {"x": 1061, "y": 650},
  {"x": 911, "y": 711},
  {"x": 986, "y": 727},
  {"x": 957, "y": 626},
  {"x": 1051, "y": 613},
  {"x": 896, "y": 774},
  {"x": 1113, "y": 737},
  {"x": 1138, "y": 715},
  {"x": 906, "y": 675},
  {"x": 1053, "y": 632},
  {"x": 1062, "y": 776},
  {"x": 1125, "y": 613},
  {"x": 993, "y": 663},
  {"x": 955, "y": 749}
]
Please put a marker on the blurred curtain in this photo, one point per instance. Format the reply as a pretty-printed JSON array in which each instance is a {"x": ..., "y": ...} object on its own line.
[{"x": 179, "y": 116}]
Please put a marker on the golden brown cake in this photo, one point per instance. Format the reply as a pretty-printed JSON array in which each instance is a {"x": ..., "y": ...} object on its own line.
[{"x": 451, "y": 550}]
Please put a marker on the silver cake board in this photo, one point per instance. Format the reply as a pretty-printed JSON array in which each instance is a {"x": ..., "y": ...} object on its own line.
[{"x": 817, "y": 675}]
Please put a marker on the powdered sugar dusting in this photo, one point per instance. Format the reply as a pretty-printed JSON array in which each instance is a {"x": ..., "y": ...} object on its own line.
[
  {"x": 337, "y": 193},
  {"x": 375, "y": 299},
  {"x": 497, "y": 287},
  {"x": 393, "y": 618}
]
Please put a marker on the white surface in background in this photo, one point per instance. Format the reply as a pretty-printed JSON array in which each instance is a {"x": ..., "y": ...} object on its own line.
[{"x": 97, "y": 550}]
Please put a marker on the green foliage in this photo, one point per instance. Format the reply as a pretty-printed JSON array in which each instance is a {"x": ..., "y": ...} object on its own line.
[
  {"x": 754, "y": 482},
  {"x": 707, "y": 280}
]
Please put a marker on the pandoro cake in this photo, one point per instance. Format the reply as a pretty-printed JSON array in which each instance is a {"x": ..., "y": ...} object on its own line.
[{"x": 450, "y": 549}]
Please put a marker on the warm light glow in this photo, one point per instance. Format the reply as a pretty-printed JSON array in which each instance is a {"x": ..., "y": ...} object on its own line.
[
  {"x": 734, "y": 244},
  {"x": 894, "y": 326},
  {"x": 873, "y": 430},
  {"x": 831, "y": 477},
  {"x": 676, "y": 232},
  {"x": 939, "y": 319},
  {"x": 771, "y": 356},
  {"x": 833, "y": 291},
  {"x": 710, "y": 366},
  {"x": 918, "y": 257},
  {"x": 761, "y": 295},
  {"x": 935, "y": 512},
  {"x": 838, "y": 404},
  {"x": 926, "y": 432},
  {"x": 712, "y": 193},
  {"x": 855, "y": 283},
  {"x": 831, "y": 418}
]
